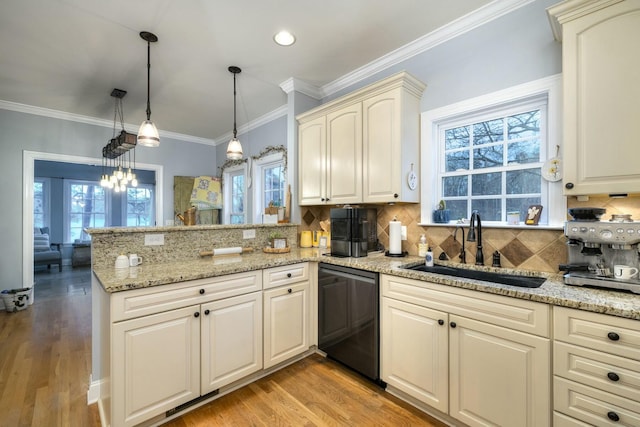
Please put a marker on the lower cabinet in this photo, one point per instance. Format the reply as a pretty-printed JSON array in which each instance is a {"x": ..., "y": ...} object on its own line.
[
  {"x": 480, "y": 358},
  {"x": 286, "y": 313}
]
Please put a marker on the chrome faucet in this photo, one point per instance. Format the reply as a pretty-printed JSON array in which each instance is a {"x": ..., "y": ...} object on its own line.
[
  {"x": 463, "y": 254},
  {"x": 471, "y": 236}
]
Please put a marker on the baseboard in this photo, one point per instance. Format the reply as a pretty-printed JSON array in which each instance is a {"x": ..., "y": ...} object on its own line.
[{"x": 93, "y": 394}]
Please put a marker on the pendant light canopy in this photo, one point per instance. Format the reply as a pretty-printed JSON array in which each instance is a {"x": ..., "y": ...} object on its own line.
[
  {"x": 234, "y": 149},
  {"x": 148, "y": 134}
]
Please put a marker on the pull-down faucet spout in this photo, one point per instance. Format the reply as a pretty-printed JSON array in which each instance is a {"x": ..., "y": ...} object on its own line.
[
  {"x": 463, "y": 254},
  {"x": 471, "y": 236}
]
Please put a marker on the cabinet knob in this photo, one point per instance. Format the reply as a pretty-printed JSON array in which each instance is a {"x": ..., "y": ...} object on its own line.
[
  {"x": 322, "y": 199},
  {"x": 201, "y": 291},
  {"x": 568, "y": 185},
  {"x": 395, "y": 195},
  {"x": 613, "y": 336},
  {"x": 289, "y": 275},
  {"x": 289, "y": 290},
  {"x": 613, "y": 376},
  {"x": 613, "y": 416},
  {"x": 196, "y": 314},
  {"x": 440, "y": 322},
  {"x": 206, "y": 312},
  {"x": 453, "y": 324}
]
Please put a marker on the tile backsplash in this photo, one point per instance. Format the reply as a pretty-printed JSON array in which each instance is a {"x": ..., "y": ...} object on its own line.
[{"x": 524, "y": 248}]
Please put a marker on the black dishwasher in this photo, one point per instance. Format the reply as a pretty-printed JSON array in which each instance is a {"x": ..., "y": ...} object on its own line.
[{"x": 348, "y": 318}]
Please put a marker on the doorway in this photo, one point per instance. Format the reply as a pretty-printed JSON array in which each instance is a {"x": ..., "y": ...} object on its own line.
[{"x": 29, "y": 159}]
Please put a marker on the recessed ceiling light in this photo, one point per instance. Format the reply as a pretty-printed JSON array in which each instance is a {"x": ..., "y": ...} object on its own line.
[{"x": 284, "y": 38}]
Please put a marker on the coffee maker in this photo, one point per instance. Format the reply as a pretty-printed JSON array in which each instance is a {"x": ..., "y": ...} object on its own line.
[
  {"x": 595, "y": 247},
  {"x": 354, "y": 231}
]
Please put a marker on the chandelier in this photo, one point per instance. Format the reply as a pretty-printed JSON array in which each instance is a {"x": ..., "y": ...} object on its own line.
[{"x": 116, "y": 155}]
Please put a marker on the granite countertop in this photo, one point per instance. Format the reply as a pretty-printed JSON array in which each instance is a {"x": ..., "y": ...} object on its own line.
[{"x": 553, "y": 291}]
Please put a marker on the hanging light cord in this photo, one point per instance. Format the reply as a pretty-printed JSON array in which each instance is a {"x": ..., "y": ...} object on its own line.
[
  {"x": 148, "y": 79},
  {"x": 235, "y": 131}
]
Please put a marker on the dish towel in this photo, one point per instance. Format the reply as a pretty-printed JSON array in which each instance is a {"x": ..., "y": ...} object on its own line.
[{"x": 206, "y": 193}]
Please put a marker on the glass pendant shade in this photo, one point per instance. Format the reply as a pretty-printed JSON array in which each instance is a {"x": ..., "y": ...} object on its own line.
[
  {"x": 148, "y": 134},
  {"x": 234, "y": 149}
]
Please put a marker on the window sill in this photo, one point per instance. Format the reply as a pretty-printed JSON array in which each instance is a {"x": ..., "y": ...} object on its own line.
[{"x": 517, "y": 227}]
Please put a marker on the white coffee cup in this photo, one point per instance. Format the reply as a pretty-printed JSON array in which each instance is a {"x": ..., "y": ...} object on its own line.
[
  {"x": 624, "y": 271},
  {"x": 134, "y": 260},
  {"x": 122, "y": 261}
]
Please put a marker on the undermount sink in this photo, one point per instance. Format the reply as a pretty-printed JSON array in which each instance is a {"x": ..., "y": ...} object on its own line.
[{"x": 487, "y": 276}]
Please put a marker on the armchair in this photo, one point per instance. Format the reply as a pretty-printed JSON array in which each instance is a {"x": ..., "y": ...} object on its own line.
[{"x": 44, "y": 252}]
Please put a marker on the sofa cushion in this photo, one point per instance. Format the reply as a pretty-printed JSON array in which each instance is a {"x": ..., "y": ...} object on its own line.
[{"x": 41, "y": 243}]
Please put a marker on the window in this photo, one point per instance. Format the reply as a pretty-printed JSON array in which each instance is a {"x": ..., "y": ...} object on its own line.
[
  {"x": 41, "y": 197},
  {"x": 85, "y": 206},
  {"x": 270, "y": 183},
  {"x": 487, "y": 155},
  {"x": 138, "y": 207},
  {"x": 235, "y": 191}
]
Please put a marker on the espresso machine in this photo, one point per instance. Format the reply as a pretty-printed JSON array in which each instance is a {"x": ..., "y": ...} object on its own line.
[{"x": 595, "y": 247}]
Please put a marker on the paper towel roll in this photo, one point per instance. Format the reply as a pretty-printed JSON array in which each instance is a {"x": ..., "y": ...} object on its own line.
[{"x": 395, "y": 237}]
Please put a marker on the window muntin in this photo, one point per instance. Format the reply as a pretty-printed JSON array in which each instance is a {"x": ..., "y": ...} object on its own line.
[
  {"x": 273, "y": 184},
  {"x": 493, "y": 162},
  {"x": 139, "y": 206},
  {"x": 86, "y": 206}
]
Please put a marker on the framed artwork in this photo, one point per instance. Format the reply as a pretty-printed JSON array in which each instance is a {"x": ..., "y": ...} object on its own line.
[{"x": 533, "y": 215}]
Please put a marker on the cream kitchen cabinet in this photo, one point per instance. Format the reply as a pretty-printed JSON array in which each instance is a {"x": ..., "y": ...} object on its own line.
[
  {"x": 600, "y": 59},
  {"x": 480, "y": 358},
  {"x": 362, "y": 146},
  {"x": 596, "y": 369},
  {"x": 287, "y": 318},
  {"x": 171, "y": 344}
]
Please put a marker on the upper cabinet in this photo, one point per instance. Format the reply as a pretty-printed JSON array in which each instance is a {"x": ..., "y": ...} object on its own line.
[
  {"x": 363, "y": 147},
  {"x": 600, "y": 62}
]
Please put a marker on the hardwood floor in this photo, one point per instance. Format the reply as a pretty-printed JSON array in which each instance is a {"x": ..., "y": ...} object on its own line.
[{"x": 45, "y": 363}]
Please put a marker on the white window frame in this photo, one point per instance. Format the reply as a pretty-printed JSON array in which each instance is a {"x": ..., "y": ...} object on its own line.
[
  {"x": 67, "y": 200},
  {"x": 549, "y": 87},
  {"x": 46, "y": 187},
  {"x": 258, "y": 186},
  {"x": 226, "y": 178},
  {"x": 123, "y": 214}
]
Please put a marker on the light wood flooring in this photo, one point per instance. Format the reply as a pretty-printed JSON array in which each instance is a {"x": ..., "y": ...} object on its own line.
[{"x": 45, "y": 363}]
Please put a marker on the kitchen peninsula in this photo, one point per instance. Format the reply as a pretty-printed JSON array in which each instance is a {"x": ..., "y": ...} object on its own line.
[{"x": 244, "y": 292}]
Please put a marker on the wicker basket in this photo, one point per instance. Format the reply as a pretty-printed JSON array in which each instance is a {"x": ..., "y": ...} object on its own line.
[
  {"x": 16, "y": 299},
  {"x": 269, "y": 250}
]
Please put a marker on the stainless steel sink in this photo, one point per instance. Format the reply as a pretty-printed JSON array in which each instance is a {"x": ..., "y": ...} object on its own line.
[{"x": 487, "y": 276}]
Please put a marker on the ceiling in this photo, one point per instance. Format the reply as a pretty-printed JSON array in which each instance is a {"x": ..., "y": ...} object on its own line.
[{"x": 68, "y": 55}]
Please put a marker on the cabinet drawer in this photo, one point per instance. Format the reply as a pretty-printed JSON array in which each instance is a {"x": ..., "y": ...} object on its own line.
[
  {"x": 597, "y": 369},
  {"x": 611, "y": 334},
  {"x": 525, "y": 316},
  {"x": 595, "y": 407},
  {"x": 141, "y": 302},
  {"x": 561, "y": 420},
  {"x": 285, "y": 275}
]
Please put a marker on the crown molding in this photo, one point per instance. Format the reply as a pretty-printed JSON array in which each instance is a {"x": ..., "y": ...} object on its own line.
[
  {"x": 78, "y": 118},
  {"x": 294, "y": 84},
  {"x": 450, "y": 31},
  {"x": 269, "y": 117}
]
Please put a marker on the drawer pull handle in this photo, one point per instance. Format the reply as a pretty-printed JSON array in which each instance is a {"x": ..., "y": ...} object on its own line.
[
  {"x": 289, "y": 290},
  {"x": 201, "y": 291},
  {"x": 613, "y": 416},
  {"x": 613, "y": 376},
  {"x": 453, "y": 324},
  {"x": 196, "y": 314},
  {"x": 206, "y": 312},
  {"x": 613, "y": 336},
  {"x": 289, "y": 275},
  {"x": 440, "y": 322}
]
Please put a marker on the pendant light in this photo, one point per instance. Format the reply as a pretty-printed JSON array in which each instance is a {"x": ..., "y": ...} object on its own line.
[
  {"x": 234, "y": 149},
  {"x": 148, "y": 134}
]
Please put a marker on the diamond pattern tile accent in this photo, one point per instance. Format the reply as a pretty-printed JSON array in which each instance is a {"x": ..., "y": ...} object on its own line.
[
  {"x": 516, "y": 252},
  {"x": 309, "y": 217}
]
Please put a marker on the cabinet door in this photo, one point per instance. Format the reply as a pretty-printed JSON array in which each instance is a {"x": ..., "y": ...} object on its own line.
[
  {"x": 414, "y": 351},
  {"x": 312, "y": 169},
  {"x": 601, "y": 56},
  {"x": 344, "y": 155},
  {"x": 286, "y": 322},
  {"x": 498, "y": 376},
  {"x": 382, "y": 147},
  {"x": 231, "y": 342},
  {"x": 155, "y": 364}
]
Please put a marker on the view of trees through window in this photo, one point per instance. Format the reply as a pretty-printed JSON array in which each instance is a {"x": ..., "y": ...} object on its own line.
[
  {"x": 86, "y": 208},
  {"x": 493, "y": 166},
  {"x": 39, "y": 205},
  {"x": 139, "y": 207},
  {"x": 237, "y": 199},
  {"x": 273, "y": 179}
]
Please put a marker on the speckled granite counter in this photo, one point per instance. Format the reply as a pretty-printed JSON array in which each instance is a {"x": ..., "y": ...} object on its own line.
[{"x": 553, "y": 291}]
